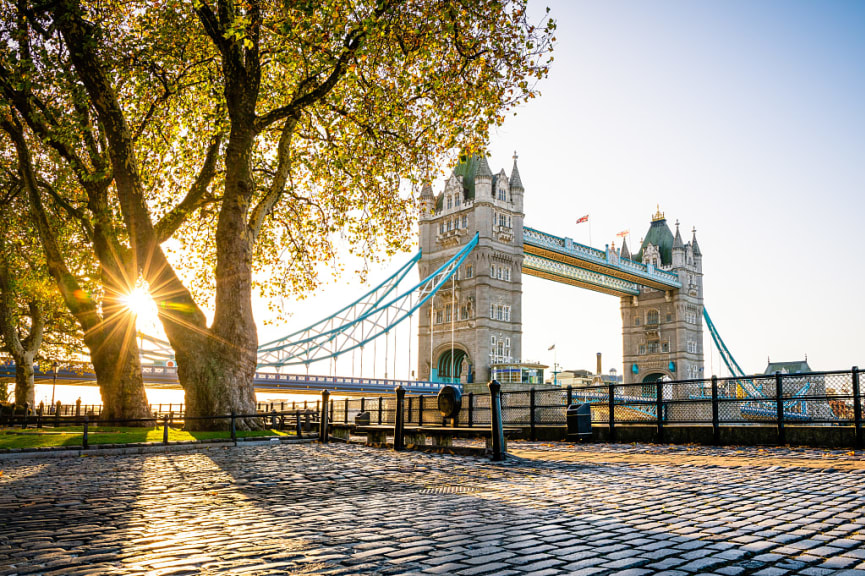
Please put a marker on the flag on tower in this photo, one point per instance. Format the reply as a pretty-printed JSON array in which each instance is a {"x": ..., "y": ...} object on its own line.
[
  {"x": 583, "y": 219},
  {"x": 623, "y": 233},
  {"x": 553, "y": 347}
]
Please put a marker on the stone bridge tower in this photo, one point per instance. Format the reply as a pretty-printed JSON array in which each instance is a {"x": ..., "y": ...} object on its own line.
[
  {"x": 474, "y": 322},
  {"x": 663, "y": 330}
]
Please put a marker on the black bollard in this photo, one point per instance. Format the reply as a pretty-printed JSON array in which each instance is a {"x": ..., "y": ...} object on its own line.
[
  {"x": 322, "y": 429},
  {"x": 39, "y": 412},
  {"x": 496, "y": 431},
  {"x": 165, "y": 430},
  {"x": 297, "y": 424},
  {"x": 84, "y": 439},
  {"x": 399, "y": 419}
]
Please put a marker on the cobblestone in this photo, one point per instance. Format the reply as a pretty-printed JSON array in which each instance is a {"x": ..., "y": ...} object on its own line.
[{"x": 340, "y": 509}]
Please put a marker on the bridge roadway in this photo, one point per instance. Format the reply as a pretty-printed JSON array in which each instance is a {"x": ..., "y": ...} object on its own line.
[{"x": 166, "y": 377}]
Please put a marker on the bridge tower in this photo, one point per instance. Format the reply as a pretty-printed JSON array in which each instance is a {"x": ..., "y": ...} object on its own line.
[
  {"x": 477, "y": 318},
  {"x": 663, "y": 329}
]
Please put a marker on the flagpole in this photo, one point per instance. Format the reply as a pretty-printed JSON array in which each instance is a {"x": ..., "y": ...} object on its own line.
[{"x": 555, "y": 366}]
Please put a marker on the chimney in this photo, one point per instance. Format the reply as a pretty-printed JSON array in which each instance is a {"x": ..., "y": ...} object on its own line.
[{"x": 599, "y": 364}]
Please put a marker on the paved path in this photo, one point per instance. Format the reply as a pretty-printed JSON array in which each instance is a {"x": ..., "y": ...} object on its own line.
[{"x": 337, "y": 509}]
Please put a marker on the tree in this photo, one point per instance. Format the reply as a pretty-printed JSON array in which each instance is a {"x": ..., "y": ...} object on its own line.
[
  {"x": 108, "y": 327},
  {"x": 78, "y": 182},
  {"x": 330, "y": 108},
  {"x": 34, "y": 323}
]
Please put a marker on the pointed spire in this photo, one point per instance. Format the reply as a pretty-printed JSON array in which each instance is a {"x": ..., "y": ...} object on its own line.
[
  {"x": 694, "y": 245},
  {"x": 483, "y": 168},
  {"x": 427, "y": 191},
  {"x": 625, "y": 252},
  {"x": 516, "y": 181},
  {"x": 677, "y": 241}
]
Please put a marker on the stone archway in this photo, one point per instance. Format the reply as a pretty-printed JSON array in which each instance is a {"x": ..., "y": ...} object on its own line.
[
  {"x": 649, "y": 390},
  {"x": 453, "y": 365}
]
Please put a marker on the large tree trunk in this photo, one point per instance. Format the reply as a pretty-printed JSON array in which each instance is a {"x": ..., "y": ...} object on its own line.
[
  {"x": 118, "y": 372},
  {"x": 217, "y": 371},
  {"x": 217, "y": 381},
  {"x": 25, "y": 388}
]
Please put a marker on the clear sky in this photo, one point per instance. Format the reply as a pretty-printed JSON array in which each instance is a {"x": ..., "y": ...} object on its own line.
[{"x": 743, "y": 119}]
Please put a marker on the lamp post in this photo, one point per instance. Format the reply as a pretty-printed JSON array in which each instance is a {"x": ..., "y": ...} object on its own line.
[{"x": 54, "y": 384}]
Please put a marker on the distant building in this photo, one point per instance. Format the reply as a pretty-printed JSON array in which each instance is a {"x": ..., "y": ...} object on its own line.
[
  {"x": 805, "y": 394},
  {"x": 584, "y": 378},
  {"x": 796, "y": 367}
]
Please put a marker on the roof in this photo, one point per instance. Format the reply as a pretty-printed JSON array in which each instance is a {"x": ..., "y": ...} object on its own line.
[
  {"x": 469, "y": 167},
  {"x": 660, "y": 235},
  {"x": 788, "y": 367}
]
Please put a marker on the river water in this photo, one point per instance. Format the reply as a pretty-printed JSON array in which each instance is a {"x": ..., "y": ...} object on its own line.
[{"x": 69, "y": 394}]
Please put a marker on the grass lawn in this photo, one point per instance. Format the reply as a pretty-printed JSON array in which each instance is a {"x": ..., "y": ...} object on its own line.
[{"x": 72, "y": 436}]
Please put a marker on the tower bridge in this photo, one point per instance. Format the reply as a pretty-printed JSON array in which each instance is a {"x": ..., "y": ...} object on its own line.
[{"x": 472, "y": 330}]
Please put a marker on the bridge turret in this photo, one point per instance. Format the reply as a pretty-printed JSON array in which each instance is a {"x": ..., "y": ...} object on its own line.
[
  {"x": 625, "y": 253},
  {"x": 516, "y": 184},
  {"x": 698, "y": 255},
  {"x": 678, "y": 250},
  {"x": 483, "y": 180},
  {"x": 663, "y": 329},
  {"x": 427, "y": 201}
]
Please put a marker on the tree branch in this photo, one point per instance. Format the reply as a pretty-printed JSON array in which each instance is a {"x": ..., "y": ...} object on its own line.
[
  {"x": 78, "y": 302},
  {"x": 8, "y": 317},
  {"x": 194, "y": 197},
  {"x": 351, "y": 44},
  {"x": 277, "y": 185}
]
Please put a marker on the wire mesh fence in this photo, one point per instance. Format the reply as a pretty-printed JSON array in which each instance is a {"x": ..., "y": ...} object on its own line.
[{"x": 812, "y": 399}]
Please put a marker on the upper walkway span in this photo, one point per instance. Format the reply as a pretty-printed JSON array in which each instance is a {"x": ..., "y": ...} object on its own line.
[{"x": 563, "y": 260}]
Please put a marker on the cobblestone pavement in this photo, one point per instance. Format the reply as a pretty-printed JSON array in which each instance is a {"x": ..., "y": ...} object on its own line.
[{"x": 338, "y": 509}]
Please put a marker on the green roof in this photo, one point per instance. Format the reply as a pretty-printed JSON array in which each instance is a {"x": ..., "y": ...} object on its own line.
[
  {"x": 660, "y": 235},
  {"x": 467, "y": 168}
]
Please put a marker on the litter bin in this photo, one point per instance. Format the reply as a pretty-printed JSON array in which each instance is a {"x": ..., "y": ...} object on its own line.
[
  {"x": 362, "y": 419},
  {"x": 579, "y": 422}
]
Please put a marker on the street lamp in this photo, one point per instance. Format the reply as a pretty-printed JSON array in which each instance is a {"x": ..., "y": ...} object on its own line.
[{"x": 54, "y": 385}]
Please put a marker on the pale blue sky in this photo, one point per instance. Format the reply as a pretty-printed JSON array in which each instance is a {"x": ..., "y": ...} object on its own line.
[{"x": 744, "y": 119}]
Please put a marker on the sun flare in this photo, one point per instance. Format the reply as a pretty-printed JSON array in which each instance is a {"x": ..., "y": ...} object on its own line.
[{"x": 139, "y": 302}]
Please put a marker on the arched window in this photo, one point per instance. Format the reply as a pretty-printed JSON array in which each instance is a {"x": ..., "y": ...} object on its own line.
[
  {"x": 502, "y": 194},
  {"x": 449, "y": 202},
  {"x": 652, "y": 317},
  {"x": 456, "y": 200}
]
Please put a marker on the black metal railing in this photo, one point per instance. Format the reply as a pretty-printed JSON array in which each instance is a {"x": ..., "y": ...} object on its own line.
[
  {"x": 781, "y": 400},
  {"x": 300, "y": 421}
]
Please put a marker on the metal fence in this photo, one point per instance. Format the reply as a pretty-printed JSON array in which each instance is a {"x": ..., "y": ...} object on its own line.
[{"x": 781, "y": 400}]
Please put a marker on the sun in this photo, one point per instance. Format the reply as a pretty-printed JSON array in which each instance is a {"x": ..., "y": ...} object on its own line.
[{"x": 139, "y": 302}]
